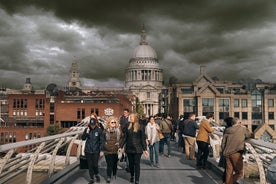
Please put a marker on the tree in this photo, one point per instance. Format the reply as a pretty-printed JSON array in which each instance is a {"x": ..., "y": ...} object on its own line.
[
  {"x": 52, "y": 130},
  {"x": 139, "y": 108}
]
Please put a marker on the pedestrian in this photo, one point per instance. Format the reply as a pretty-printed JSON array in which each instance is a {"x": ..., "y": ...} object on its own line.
[
  {"x": 112, "y": 135},
  {"x": 94, "y": 147},
  {"x": 180, "y": 127},
  {"x": 233, "y": 146},
  {"x": 124, "y": 123},
  {"x": 229, "y": 121},
  {"x": 203, "y": 141},
  {"x": 189, "y": 130},
  {"x": 166, "y": 129},
  {"x": 152, "y": 133},
  {"x": 135, "y": 145},
  {"x": 124, "y": 120}
]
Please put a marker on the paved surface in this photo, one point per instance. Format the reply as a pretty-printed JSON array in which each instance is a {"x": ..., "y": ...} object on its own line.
[{"x": 174, "y": 170}]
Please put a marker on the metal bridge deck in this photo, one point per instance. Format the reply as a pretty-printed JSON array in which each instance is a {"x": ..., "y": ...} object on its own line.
[{"x": 175, "y": 170}]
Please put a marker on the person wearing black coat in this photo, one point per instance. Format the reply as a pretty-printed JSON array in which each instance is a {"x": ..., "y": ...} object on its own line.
[
  {"x": 135, "y": 145},
  {"x": 94, "y": 147}
]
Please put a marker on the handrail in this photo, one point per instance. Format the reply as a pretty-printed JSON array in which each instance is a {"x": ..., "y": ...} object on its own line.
[{"x": 7, "y": 147}]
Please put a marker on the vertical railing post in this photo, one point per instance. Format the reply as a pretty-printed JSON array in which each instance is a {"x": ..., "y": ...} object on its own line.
[{"x": 32, "y": 162}]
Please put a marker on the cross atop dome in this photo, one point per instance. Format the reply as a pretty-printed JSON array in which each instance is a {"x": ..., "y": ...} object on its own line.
[{"x": 143, "y": 36}]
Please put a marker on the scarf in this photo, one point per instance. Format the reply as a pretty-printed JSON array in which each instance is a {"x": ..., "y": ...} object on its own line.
[
  {"x": 152, "y": 133},
  {"x": 117, "y": 132}
]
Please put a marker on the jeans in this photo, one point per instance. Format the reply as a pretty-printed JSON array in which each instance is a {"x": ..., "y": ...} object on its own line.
[
  {"x": 234, "y": 163},
  {"x": 202, "y": 153},
  {"x": 111, "y": 161},
  {"x": 134, "y": 164},
  {"x": 154, "y": 149},
  {"x": 167, "y": 140},
  {"x": 92, "y": 159}
]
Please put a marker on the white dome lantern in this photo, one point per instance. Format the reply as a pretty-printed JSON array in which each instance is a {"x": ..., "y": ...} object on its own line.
[{"x": 144, "y": 50}]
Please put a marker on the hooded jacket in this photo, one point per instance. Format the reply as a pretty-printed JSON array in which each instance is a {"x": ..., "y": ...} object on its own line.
[
  {"x": 233, "y": 139},
  {"x": 94, "y": 140}
]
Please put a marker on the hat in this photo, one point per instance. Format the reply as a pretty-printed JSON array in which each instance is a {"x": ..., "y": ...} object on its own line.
[{"x": 93, "y": 121}]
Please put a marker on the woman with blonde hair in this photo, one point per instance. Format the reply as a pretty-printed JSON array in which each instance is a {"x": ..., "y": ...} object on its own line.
[
  {"x": 112, "y": 135},
  {"x": 135, "y": 141}
]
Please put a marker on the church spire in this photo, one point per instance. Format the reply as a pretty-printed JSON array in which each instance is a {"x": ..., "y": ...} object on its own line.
[{"x": 143, "y": 36}]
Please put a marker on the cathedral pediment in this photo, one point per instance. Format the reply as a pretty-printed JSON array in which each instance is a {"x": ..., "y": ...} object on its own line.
[{"x": 148, "y": 87}]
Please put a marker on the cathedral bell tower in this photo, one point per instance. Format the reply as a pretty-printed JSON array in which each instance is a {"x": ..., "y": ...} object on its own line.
[{"x": 74, "y": 78}]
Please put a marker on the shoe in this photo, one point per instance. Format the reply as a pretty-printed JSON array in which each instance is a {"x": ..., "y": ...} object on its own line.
[
  {"x": 98, "y": 179},
  {"x": 136, "y": 182},
  {"x": 91, "y": 181},
  {"x": 169, "y": 156},
  {"x": 108, "y": 180},
  {"x": 157, "y": 165},
  {"x": 131, "y": 179},
  {"x": 151, "y": 164}
]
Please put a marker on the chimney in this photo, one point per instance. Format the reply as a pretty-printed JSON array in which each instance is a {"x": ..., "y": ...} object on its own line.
[{"x": 202, "y": 70}]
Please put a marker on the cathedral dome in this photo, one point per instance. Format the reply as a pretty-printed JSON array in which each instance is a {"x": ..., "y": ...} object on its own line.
[{"x": 144, "y": 51}]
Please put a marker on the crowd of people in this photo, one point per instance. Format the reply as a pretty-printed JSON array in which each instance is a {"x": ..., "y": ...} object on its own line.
[{"x": 131, "y": 136}]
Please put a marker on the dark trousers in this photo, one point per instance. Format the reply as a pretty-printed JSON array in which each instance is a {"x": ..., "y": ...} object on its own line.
[
  {"x": 111, "y": 161},
  {"x": 93, "y": 159},
  {"x": 134, "y": 164},
  {"x": 165, "y": 140},
  {"x": 202, "y": 153}
]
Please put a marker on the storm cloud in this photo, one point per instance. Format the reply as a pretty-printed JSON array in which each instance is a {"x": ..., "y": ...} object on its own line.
[{"x": 39, "y": 39}]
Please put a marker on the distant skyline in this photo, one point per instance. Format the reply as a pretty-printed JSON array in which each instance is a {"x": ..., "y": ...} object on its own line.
[{"x": 39, "y": 39}]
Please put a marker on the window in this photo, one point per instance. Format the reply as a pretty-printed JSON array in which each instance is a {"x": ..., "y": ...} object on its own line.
[
  {"x": 244, "y": 102},
  {"x": 237, "y": 114},
  {"x": 236, "y": 102},
  {"x": 271, "y": 115},
  {"x": 52, "y": 107},
  {"x": 189, "y": 105},
  {"x": 270, "y": 102},
  {"x": 78, "y": 113},
  {"x": 148, "y": 94},
  {"x": 244, "y": 115},
  {"x": 52, "y": 119},
  {"x": 207, "y": 106}
]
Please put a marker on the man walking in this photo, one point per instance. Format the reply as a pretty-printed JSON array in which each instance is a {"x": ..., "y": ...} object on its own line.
[{"x": 189, "y": 131}]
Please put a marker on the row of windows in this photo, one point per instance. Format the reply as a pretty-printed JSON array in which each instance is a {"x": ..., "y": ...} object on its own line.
[
  {"x": 7, "y": 137},
  {"x": 208, "y": 106},
  {"x": 225, "y": 102},
  {"x": 33, "y": 135},
  {"x": 23, "y": 103},
  {"x": 20, "y": 112},
  {"x": 81, "y": 112}
]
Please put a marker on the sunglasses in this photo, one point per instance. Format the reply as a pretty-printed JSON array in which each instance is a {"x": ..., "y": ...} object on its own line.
[{"x": 112, "y": 122}]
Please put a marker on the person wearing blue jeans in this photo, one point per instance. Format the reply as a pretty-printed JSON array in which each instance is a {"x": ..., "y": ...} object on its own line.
[
  {"x": 166, "y": 129},
  {"x": 152, "y": 133},
  {"x": 166, "y": 140}
]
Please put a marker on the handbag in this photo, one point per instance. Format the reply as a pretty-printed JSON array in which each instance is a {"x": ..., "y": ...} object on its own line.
[
  {"x": 161, "y": 136},
  {"x": 83, "y": 162}
]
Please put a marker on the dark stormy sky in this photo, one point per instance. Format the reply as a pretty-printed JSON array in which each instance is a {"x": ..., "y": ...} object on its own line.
[{"x": 39, "y": 39}]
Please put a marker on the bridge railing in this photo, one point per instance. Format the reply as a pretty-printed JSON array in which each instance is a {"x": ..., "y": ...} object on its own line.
[
  {"x": 38, "y": 159},
  {"x": 257, "y": 159}
]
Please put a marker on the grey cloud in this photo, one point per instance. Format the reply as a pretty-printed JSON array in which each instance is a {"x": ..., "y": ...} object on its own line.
[{"x": 230, "y": 37}]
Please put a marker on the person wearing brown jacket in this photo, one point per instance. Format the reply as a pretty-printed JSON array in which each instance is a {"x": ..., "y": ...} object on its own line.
[
  {"x": 203, "y": 141},
  {"x": 233, "y": 145},
  {"x": 112, "y": 135}
]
